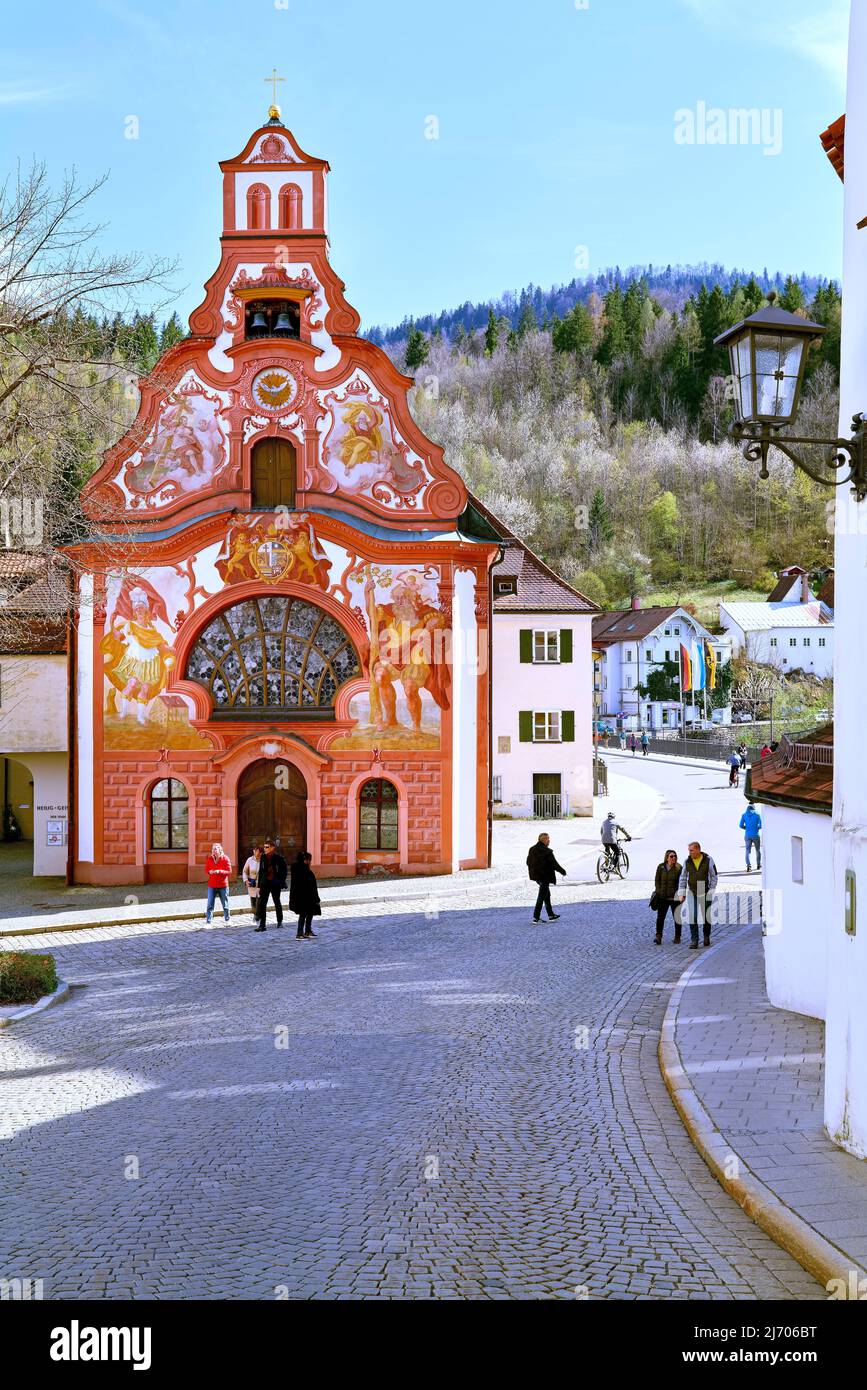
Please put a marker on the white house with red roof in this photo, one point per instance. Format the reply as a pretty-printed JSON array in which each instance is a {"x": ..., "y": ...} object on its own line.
[
  {"x": 793, "y": 629},
  {"x": 542, "y": 710},
  {"x": 630, "y": 643}
]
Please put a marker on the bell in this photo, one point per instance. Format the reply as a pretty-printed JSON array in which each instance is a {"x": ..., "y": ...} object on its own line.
[
  {"x": 259, "y": 322},
  {"x": 284, "y": 322}
]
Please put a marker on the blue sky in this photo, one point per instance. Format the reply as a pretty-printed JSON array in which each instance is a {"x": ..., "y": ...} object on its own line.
[{"x": 556, "y": 130}]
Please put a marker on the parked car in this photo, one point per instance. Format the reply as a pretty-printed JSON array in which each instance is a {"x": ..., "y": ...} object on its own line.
[{"x": 742, "y": 718}]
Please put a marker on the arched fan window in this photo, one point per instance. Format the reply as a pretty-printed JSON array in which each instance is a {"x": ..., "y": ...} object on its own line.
[{"x": 274, "y": 653}]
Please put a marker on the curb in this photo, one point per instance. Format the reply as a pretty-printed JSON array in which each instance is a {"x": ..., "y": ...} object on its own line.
[
  {"x": 46, "y": 1002},
  {"x": 778, "y": 1220}
]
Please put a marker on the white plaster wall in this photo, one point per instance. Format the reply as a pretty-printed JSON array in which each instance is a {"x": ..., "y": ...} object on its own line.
[
  {"x": 33, "y": 711},
  {"x": 796, "y": 914},
  {"x": 846, "y": 1033},
  {"x": 521, "y": 685}
]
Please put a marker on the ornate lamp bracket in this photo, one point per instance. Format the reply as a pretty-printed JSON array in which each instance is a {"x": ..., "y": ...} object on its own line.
[{"x": 757, "y": 438}]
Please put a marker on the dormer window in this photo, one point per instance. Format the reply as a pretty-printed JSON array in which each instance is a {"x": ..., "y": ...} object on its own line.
[
  {"x": 508, "y": 585},
  {"x": 272, "y": 318}
]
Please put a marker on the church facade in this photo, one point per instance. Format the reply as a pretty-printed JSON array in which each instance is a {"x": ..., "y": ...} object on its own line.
[{"x": 284, "y": 629}]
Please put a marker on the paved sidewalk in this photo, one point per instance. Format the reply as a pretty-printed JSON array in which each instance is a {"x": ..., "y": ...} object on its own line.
[
  {"x": 758, "y": 1072},
  {"x": 65, "y": 909}
]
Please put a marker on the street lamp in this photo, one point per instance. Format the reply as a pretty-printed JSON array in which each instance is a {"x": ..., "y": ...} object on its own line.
[{"x": 768, "y": 354}]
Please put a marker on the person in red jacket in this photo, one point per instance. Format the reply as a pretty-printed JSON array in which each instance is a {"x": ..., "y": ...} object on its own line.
[{"x": 219, "y": 870}]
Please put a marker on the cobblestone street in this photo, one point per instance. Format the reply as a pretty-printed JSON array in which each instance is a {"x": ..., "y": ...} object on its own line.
[{"x": 402, "y": 1108}]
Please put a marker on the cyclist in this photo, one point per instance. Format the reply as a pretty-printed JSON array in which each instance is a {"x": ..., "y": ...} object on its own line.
[{"x": 610, "y": 830}]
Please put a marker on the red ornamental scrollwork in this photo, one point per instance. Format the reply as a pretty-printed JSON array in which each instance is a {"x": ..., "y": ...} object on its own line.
[{"x": 273, "y": 150}]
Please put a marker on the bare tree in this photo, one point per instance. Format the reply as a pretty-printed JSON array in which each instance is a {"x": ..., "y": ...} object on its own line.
[{"x": 65, "y": 394}]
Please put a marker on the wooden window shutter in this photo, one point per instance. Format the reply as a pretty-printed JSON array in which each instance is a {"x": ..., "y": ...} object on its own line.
[
  {"x": 565, "y": 644},
  {"x": 526, "y": 644},
  {"x": 525, "y": 726},
  {"x": 567, "y": 726}
]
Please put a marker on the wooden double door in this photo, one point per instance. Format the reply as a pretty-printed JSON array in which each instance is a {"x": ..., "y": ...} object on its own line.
[
  {"x": 272, "y": 474},
  {"x": 272, "y": 802}
]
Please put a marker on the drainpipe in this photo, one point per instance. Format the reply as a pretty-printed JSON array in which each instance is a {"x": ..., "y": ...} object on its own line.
[{"x": 498, "y": 561}]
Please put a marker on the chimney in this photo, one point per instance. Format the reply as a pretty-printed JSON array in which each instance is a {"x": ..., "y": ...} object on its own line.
[
  {"x": 635, "y": 605},
  {"x": 805, "y": 588}
]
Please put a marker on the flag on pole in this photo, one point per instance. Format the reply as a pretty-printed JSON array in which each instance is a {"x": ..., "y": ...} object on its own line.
[
  {"x": 710, "y": 662},
  {"x": 685, "y": 670},
  {"x": 697, "y": 663}
]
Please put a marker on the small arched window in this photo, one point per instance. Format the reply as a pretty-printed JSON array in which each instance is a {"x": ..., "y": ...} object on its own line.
[
  {"x": 290, "y": 206},
  {"x": 169, "y": 806},
  {"x": 258, "y": 208},
  {"x": 377, "y": 815}
]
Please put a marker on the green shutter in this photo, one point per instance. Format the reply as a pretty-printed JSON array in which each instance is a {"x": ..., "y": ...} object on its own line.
[
  {"x": 565, "y": 644},
  {"x": 525, "y": 726},
  {"x": 526, "y": 644},
  {"x": 567, "y": 725}
]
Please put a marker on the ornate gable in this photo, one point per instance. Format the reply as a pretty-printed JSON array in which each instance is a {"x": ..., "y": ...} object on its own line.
[{"x": 274, "y": 354}]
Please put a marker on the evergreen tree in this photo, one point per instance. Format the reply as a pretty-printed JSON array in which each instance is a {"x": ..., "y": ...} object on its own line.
[
  {"x": 574, "y": 333},
  {"x": 792, "y": 297},
  {"x": 170, "y": 334},
  {"x": 600, "y": 531},
  {"x": 417, "y": 348},
  {"x": 492, "y": 335}
]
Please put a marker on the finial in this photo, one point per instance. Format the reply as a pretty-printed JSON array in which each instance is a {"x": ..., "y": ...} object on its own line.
[{"x": 274, "y": 109}]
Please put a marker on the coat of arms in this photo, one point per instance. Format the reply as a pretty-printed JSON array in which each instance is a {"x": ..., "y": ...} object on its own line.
[{"x": 271, "y": 559}]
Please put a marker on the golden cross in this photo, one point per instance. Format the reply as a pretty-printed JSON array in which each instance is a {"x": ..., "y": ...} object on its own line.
[{"x": 274, "y": 79}]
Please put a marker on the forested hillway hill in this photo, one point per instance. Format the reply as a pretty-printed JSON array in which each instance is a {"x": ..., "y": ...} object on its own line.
[{"x": 600, "y": 437}]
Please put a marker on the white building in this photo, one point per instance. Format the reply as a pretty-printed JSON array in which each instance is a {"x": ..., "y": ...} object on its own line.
[
  {"x": 542, "y": 710},
  {"x": 630, "y": 643},
  {"x": 827, "y": 922},
  {"x": 793, "y": 790},
  {"x": 33, "y": 713},
  {"x": 792, "y": 630}
]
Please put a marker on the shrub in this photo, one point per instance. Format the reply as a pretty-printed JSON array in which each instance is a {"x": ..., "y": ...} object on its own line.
[{"x": 24, "y": 978}]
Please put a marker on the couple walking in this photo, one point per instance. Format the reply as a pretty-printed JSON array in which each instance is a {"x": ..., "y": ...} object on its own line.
[{"x": 693, "y": 883}]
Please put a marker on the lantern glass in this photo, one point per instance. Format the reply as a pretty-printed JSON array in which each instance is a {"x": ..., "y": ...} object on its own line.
[{"x": 778, "y": 369}]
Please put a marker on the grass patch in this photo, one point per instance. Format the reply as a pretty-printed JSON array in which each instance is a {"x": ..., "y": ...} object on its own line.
[
  {"x": 705, "y": 598},
  {"x": 24, "y": 978}
]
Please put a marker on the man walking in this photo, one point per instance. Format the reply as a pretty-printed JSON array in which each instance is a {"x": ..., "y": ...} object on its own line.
[
  {"x": 751, "y": 824},
  {"x": 697, "y": 883},
  {"x": 645, "y": 743},
  {"x": 633, "y": 744},
  {"x": 271, "y": 882},
  {"x": 734, "y": 769},
  {"x": 543, "y": 869}
]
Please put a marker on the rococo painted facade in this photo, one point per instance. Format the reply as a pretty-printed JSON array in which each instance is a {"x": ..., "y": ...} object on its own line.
[{"x": 290, "y": 634}]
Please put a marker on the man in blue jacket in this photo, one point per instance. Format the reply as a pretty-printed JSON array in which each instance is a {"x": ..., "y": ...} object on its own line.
[{"x": 751, "y": 824}]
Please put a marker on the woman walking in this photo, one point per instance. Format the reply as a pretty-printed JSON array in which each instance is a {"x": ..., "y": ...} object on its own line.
[
  {"x": 665, "y": 894},
  {"x": 250, "y": 874},
  {"x": 304, "y": 895},
  {"x": 219, "y": 870}
]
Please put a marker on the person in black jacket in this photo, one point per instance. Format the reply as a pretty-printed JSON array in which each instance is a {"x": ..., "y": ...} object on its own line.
[
  {"x": 304, "y": 895},
  {"x": 271, "y": 881},
  {"x": 543, "y": 869},
  {"x": 665, "y": 891}
]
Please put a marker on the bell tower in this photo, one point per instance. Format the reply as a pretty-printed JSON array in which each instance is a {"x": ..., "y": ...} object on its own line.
[{"x": 272, "y": 189}]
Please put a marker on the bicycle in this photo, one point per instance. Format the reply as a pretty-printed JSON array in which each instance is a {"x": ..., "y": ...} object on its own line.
[{"x": 606, "y": 866}]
